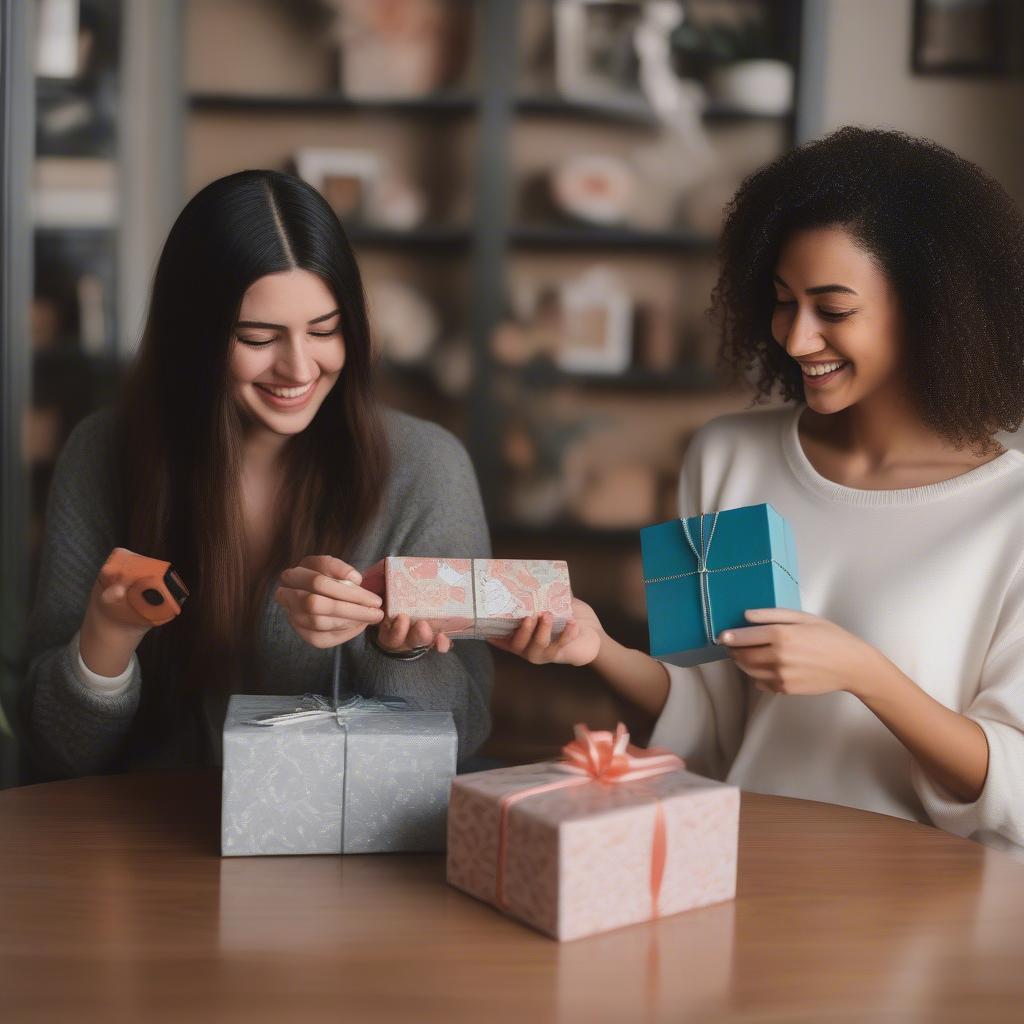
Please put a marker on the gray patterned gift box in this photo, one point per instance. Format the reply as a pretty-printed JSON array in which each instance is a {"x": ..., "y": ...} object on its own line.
[{"x": 363, "y": 777}]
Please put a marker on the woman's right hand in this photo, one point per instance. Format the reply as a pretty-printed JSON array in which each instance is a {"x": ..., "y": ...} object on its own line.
[
  {"x": 579, "y": 643},
  {"x": 324, "y": 601},
  {"x": 112, "y": 629}
]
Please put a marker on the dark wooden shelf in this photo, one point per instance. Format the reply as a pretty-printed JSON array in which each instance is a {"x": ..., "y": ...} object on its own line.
[
  {"x": 435, "y": 103},
  {"x": 629, "y": 110},
  {"x": 570, "y": 236},
  {"x": 439, "y": 236}
]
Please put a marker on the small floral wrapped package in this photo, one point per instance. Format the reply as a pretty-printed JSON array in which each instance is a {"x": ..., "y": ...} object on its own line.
[{"x": 473, "y": 598}]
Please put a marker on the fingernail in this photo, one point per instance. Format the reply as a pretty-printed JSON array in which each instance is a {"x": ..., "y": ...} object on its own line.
[
  {"x": 354, "y": 577},
  {"x": 725, "y": 638}
]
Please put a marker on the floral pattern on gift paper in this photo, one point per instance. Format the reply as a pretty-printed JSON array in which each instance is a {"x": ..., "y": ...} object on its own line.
[{"x": 446, "y": 591}]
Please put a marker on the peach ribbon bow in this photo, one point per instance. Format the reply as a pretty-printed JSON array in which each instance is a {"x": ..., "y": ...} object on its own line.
[{"x": 603, "y": 757}]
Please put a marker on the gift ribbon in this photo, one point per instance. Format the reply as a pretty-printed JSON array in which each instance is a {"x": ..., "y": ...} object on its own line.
[
  {"x": 312, "y": 706},
  {"x": 604, "y": 758},
  {"x": 701, "y": 551}
]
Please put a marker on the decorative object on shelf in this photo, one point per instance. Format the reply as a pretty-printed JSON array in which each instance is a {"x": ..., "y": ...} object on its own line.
[
  {"x": 960, "y": 36},
  {"x": 593, "y": 188},
  {"x": 43, "y": 434},
  {"x": 395, "y": 203},
  {"x": 343, "y": 176},
  {"x": 74, "y": 192},
  {"x": 701, "y": 574},
  {"x": 399, "y": 47},
  {"x": 58, "y": 44},
  {"x": 754, "y": 86},
  {"x": 594, "y": 56},
  {"x": 610, "y": 835},
  {"x": 734, "y": 50},
  {"x": 677, "y": 102},
  {"x": 657, "y": 343},
  {"x": 452, "y": 367},
  {"x": 404, "y": 324},
  {"x": 361, "y": 188},
  {"x": 596, "y": 325}
]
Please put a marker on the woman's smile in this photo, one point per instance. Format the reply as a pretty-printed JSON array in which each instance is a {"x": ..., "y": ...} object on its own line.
[
  {"x": 820, "y": 373},
  {"x": 285, "y": 397}
]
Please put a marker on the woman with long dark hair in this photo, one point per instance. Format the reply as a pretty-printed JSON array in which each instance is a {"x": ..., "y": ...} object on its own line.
[
  {"x": 249, "y": 451},
  {"x": 874, "y": 283}
]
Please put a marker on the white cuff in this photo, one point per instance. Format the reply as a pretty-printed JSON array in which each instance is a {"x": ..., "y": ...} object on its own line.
[{"x": 109, "y": 686}]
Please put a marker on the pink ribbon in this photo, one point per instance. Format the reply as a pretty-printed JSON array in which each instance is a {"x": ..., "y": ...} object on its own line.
[{"x": 601, "y": 757}]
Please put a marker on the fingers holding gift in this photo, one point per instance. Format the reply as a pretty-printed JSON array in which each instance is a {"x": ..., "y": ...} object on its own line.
[
  {"x": 403, "y": 634},
  {"x": 304, "y": 578},
  {"x": 304, "y": 608}
]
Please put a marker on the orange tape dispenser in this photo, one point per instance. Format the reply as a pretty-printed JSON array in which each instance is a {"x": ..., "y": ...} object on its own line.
[{"x": 154, "y": 589}]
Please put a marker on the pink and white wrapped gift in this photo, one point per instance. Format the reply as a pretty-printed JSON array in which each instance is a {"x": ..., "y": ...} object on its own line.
[
  {"x": 612, "y": 835},
  {"x": 476, "y": 598}
]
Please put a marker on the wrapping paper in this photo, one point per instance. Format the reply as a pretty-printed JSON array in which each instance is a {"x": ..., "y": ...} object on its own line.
[
  {"x": 577, "y": 859},
  {"x": 701, "y": 574},
  {"x": 377, "y": 783},
  {"x": 477, "y": 598}
]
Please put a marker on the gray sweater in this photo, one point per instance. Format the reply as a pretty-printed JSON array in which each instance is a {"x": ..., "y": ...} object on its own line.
[{"x": 431, "y": 507}]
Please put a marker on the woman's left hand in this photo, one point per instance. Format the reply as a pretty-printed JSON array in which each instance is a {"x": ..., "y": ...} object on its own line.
[
  {"x": 401, "y": 634},
  {"x": 791, "y": 652}
]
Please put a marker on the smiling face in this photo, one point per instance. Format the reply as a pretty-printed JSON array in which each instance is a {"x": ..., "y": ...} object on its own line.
[
  {"x": 837, "y": 315},
  {"x": 286, "y": 351}
]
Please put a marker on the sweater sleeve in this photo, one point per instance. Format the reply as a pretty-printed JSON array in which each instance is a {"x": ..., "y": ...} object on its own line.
[
  {"x": 705, "y": 713},
  {"x": 74, "y": 729},
  {"x": 996, "y": 818},
  {"x": 444, "y": 518}
]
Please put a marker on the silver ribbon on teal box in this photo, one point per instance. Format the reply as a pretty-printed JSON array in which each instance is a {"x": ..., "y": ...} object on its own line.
[
  {"x": 701, "y": 574},
  {"x": 356, "y": 776}
]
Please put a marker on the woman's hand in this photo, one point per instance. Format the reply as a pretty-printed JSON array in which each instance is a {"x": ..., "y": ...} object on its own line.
[
  {"x": 579, "y": 643},
  {"x": 402, "y": 634},
  {"x": 325, "y": 603},
  {"x": 111, "y": 629},
  {"x": 793, "y": 652}
]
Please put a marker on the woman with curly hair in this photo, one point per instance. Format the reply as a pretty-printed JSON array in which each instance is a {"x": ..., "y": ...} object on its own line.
[{"x": 875, "y": 284}]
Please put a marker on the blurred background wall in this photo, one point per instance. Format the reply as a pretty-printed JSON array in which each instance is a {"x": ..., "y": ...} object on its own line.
[{"x": 534, "y": 190}]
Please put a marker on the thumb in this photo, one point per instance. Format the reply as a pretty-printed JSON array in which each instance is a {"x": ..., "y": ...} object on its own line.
[{"x": 114, "y": 594}]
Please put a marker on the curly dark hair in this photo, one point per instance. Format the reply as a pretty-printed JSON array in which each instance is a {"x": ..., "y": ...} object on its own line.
[{"x": 948, "y": 237}]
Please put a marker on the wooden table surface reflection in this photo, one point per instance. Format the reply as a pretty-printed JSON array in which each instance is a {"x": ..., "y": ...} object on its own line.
[{"x": 115, "y": 905}]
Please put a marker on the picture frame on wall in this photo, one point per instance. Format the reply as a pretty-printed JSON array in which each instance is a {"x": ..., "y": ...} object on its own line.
[
  {"x": 595, "y": 57},
  {"x": 343, "y": 176},
  {"x": 959, "y": 37}
]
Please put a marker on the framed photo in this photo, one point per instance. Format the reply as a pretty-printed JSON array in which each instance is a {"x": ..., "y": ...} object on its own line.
[
  {"x": 965, "y": 37},
  {"x": 596, "y": 329},
  {"x": 343, "y": 176},
  {"x": 594, "y": 54}
]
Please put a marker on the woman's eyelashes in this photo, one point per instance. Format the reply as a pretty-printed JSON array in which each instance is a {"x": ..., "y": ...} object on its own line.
[
  {"x": 263, "y": 342},
  {"x": 834, "y": 315}
]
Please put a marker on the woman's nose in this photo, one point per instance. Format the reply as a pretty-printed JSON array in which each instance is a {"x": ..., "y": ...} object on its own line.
[
  {"x": 803, "y": 337},
  {"x": 295, "y": 361}
]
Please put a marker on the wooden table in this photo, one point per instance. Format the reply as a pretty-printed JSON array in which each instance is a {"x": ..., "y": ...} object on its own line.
[{"x": 116, "y": 906}]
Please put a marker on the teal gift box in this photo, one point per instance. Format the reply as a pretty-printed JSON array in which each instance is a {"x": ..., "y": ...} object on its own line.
[{"x": 701, "y": 574}]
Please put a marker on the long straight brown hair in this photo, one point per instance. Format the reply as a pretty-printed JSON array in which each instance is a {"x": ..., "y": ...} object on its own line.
[{"x": 181, "y": 432}]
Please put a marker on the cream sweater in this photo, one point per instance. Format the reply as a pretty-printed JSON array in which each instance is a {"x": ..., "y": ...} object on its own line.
[{"x": 931, "y": 576}]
